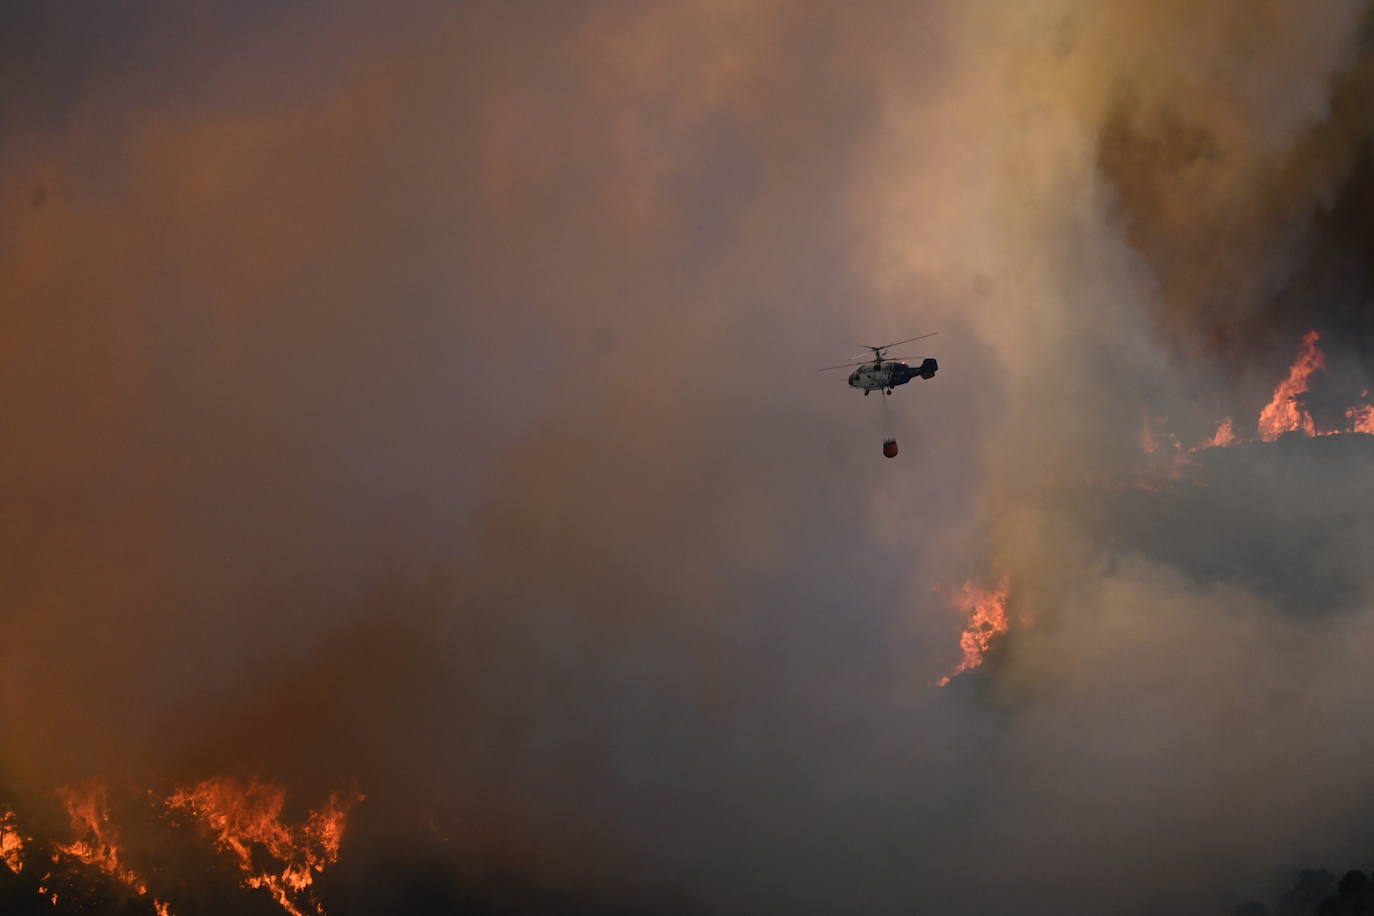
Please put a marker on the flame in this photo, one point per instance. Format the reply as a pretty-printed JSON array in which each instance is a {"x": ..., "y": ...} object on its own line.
[
  {"x": 1167, "y": 458},
  {"x": 1225, "y": 435},
  {"x": 1361, "y": 418},
  {"x": 246, "y": 822},
  {"x": 97, "y": 840},
  {"x": 243, "y": 819},
  {"x": 1155, "y": 435},
  {"x": 1285, "y": 412},
  {"x": 986, "y": 611},
  {"x": 11, "y": 843}
]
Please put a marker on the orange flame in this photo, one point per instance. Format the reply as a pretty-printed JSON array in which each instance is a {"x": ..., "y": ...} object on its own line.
[
  {"x": 97, "y": 840},
  {"x": 986, "y": 611},
  {"x": 11, "y": 843},
  {"x": 1225, "y": 435},
  {"x": 1361, "y": 418},
  {"x": 1285, "y": 412},
  {"x": 1154, "y": 436},
  {"x": 247, "y": 818}
]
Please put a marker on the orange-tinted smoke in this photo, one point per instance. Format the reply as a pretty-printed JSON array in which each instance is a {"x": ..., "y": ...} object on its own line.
[
  {"x": 986, "y": 612},
  {"x": 246, "y": 821},
  {"x": 1285, "y": 412},
  {"x": 1148, "y": 445}
]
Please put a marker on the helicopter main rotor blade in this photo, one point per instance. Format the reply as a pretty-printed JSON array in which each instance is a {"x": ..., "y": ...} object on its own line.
[
  {"x": 908, "y": 340},
  {"x": 862, "y": 362}
]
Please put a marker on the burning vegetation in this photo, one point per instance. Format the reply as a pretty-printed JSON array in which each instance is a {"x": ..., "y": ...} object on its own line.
[
  {"x": 1224, "y": 436},
  {"x": 1288, "y": 410},
  {"x": 245, "y": 820},
  {"x": 242, "y": 821},
  {"x": 96, "y": 839},
  {"x": 11, "y": 843}
]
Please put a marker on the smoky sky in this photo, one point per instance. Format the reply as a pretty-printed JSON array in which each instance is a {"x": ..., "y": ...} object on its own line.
[{"x": 426, "y": 399}]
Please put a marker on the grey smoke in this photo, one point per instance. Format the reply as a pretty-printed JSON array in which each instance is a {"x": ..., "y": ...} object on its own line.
[{"x": 432, "y": 402}]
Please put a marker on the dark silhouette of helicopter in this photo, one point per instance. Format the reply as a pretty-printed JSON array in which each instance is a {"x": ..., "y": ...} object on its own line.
[{"x": 886, "y": 373}]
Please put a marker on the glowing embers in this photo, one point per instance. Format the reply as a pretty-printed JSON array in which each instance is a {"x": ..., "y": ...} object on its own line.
[
  {"x": 986, "y": 613},
  {"x": 246, "y": 822},
  {"x": 11, "y": 843}
]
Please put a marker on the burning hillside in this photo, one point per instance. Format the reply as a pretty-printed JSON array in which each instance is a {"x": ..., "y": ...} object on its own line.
[
  {"x": 226, "y": 846},
  {"x": 1280, "y": 505},
  {"x": 96, "y": 841},
  {"x": 1290, "y": 410},
  {"x": 242, "y": 823},
  {"x": 246, "y": 823},
  {"x": 419, "y": 394}
]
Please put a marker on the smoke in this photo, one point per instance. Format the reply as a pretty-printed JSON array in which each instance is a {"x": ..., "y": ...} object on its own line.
[{"x": 429, "y": 402}]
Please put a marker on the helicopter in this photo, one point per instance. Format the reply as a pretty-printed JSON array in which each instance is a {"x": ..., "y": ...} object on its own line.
[{"x": 886, "y": 373}]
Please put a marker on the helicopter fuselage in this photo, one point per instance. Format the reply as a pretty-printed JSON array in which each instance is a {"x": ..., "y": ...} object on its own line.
[{"x": 888, "y": 374}]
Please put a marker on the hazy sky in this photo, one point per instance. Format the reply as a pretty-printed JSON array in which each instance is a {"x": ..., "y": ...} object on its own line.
[{"x": 427, "y": 398}]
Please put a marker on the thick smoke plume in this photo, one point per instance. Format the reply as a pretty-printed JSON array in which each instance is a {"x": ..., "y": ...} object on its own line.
[{"x": 425, "y": 402}]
